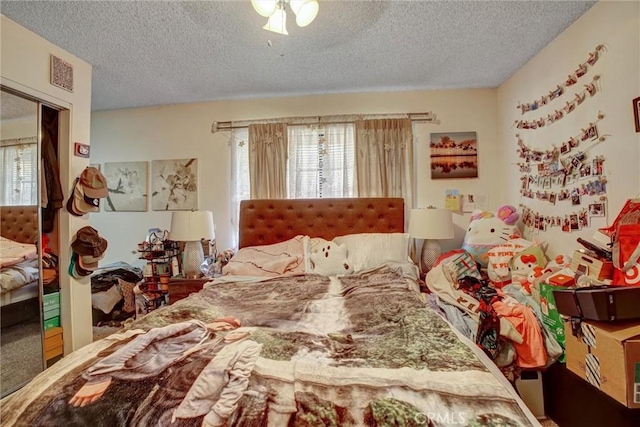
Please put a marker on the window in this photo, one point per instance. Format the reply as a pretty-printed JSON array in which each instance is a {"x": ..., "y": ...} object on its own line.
[
  {"x": 321, "y": 161},
  {"x": 239, "y": 144},
  {"x": 19, "y": 165}
]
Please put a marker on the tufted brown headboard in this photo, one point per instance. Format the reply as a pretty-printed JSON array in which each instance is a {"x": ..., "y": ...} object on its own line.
[
  {"x": 19, "y": 223},
  {"x": 267, "y": 221}
]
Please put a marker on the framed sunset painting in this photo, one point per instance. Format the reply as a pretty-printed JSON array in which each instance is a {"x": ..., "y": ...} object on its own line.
[{"x": 454, "y": 155}]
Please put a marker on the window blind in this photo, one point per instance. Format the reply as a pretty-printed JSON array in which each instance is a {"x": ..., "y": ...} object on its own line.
[{"x": 19, "y": 165}]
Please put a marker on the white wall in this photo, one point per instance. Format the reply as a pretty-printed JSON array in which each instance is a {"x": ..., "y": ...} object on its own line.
[
  {"x": 617, "y": 26},
  {"x": 183, "y": 131},
  {"x": 25, "y": 68}
]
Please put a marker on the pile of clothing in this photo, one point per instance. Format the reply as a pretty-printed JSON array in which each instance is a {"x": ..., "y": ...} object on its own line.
[
  {"x": 506, "y": 323},
  {"x": 111, "y": 285}
]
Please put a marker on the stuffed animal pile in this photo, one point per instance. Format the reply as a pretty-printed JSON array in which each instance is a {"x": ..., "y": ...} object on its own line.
[{"x": 487, "y": 230}]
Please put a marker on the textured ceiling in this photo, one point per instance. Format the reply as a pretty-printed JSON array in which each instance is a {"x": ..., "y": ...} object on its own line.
[{"x": 154, "y": 52}]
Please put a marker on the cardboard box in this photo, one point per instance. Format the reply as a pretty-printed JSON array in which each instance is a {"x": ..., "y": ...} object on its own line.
[
  {"x": 561, "y": 280},
  {"x": 593, "y": 267},
  {"x": 607, "y": 355}
]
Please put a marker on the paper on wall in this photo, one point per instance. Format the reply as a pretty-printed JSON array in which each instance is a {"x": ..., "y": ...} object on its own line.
[{"x": 452, "y": 200}]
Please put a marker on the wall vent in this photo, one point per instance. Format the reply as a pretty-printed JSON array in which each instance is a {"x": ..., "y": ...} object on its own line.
[{"x": 61, "y": 73}]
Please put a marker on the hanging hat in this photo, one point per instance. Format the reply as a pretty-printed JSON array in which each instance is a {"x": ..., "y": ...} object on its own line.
[
  {"x": 88, "y": 242},
  {"x": 94, "y": 183},
  {"x": 88, "y": 262},
  {"x": 82, "y": 202},
  {"x": 75, "y": 270},
  {"x": 70, "y": 206}
]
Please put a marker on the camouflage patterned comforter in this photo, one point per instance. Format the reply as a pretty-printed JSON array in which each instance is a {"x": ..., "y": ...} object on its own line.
[{"x": 348, "y": 351}]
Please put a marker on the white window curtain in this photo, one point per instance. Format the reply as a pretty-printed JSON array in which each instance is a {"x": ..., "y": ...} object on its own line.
[
  {"x": 384, "y": 164},
  {"x": 239, "y": 145},
  {"x": 19, "y": 166},
  {"x": 320, "y": 161}
]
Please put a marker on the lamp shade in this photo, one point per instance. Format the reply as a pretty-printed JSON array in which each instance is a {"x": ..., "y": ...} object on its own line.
[
  {"x": 277, "y": 22},
  {"x": 265, "y": 7},
  {"x": 305, "y": 10},
  {"x": 431, "y": 223},
  {"x": 188, "y": 226}
]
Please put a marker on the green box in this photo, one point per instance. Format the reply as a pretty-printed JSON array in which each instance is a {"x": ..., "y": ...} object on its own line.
[
  {"x": 51, "y": 301},
  {"x": 52, "y": 323},
  {"x": 550, "y": 315},
  {"x": 50, "y": 313}
]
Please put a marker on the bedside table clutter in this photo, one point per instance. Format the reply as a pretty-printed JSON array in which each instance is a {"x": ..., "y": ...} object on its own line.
[
  {"x": 162, "y": 280},
  {"x": 161, "y": 255}
]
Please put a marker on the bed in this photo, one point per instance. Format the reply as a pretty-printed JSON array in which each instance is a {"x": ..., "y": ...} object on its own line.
[
  {"x": 297, "y": 349},
  {"x": 19, "y": 281}
]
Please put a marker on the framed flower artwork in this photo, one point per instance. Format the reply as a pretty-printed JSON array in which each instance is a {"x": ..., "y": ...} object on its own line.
[
  {"x": 175, "y": 185},
  {"x": 127, "y": 184}
]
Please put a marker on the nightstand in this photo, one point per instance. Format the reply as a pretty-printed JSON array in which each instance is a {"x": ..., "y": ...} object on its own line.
[{"x": 180, "y": 287}]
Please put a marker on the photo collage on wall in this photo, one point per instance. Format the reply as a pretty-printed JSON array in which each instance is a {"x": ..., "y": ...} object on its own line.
[{"x": 564, "y": 174}]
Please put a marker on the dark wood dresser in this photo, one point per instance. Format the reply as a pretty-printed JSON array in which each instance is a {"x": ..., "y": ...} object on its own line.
[
  {"x": 180, "y": 288},
  {"x": 570, "y": 401}
]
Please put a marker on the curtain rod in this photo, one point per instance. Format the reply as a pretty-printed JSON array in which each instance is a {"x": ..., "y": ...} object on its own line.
[
  {"x": 427, "y": 117},
  {"x": 18, "y": 141}
]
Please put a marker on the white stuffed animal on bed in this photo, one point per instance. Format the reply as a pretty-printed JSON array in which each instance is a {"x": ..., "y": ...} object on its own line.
[
  {"x": 330, "y": 259},
  {"x": 487, "y": 230}
]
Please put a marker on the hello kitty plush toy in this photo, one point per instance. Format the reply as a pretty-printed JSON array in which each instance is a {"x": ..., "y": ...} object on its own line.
[
  {"x": 487, "y": 230},
  {"x": 527, "y": 260},
  {"x": 527, "y": 281}
]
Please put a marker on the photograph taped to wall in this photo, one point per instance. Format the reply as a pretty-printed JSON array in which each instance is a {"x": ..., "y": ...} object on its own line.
[
  {"x": 175, "y": 184},
  {"x": 454, "y": 155},
  {"x": 127, "y": 184},
  {"x": 596, "y": 209}
]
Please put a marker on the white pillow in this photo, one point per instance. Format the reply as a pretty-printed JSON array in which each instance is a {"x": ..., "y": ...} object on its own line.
[{"x": 370, "y": 250}]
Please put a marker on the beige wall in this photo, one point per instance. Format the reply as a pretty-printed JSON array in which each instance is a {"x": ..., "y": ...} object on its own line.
[
  {"x": 25, "y": 67},
  {"x": 183, "y": 131},
  {"x": 617, "y": 26}
]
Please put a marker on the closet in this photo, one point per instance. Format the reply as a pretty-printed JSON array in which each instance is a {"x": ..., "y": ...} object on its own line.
[{"x": 31, "y": 337}]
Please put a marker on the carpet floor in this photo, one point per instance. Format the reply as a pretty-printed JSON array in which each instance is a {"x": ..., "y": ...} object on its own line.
[{"x": 21, "y": 355}]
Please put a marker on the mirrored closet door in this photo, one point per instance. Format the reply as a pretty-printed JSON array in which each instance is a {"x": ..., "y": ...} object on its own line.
[{"x": 21, "y": 298}]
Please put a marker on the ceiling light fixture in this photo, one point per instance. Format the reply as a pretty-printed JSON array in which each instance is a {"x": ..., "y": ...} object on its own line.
[{"x": 305, "y": 11}]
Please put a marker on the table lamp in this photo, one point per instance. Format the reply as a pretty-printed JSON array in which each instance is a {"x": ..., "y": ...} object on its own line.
[
  {"x": 430, "y": 224},
  {"x": 191, "y": 227}
]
